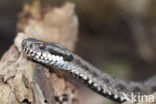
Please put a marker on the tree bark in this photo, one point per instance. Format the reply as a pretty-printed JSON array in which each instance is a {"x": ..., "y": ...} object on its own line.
[{"x": 26, "y": 82}]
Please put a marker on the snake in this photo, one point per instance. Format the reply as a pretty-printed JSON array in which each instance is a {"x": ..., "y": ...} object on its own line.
[{"x": 54, "y": 55}]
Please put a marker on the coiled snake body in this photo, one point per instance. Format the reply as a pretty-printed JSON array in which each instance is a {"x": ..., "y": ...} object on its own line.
[{"x": 55, "y": 55}]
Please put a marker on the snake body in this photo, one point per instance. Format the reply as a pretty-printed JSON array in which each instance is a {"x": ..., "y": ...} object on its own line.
[{"x": 55, "y": 55}]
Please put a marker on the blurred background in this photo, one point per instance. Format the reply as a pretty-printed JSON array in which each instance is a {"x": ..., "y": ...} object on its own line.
[{"x": 118, "y": 36}]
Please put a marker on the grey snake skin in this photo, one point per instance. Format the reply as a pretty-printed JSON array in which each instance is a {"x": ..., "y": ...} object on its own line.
[{"x": 55, "y": 55}]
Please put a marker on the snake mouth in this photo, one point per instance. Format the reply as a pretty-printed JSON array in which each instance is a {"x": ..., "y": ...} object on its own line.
[
  {"x": 45, "y": 58},
  {"x": 52, "y": 54}
]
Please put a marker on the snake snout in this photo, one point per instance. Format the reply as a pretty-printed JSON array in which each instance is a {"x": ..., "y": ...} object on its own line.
[{"x": 24, "y": 43}]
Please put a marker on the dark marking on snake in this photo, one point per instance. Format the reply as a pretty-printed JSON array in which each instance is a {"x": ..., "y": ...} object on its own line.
[{"x": 55, "y": 55}]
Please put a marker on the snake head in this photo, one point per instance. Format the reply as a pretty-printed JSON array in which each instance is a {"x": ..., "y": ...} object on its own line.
[{"x": 44, "y": 51}]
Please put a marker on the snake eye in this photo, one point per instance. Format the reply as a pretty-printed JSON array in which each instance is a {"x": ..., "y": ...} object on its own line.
[{"x": 41, "y": 46}]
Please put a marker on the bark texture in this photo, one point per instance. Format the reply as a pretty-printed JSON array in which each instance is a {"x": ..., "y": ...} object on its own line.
[{"x": 24, "y": 81}]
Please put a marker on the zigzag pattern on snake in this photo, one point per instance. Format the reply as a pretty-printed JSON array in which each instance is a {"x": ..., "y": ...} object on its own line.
[{"x": 55, "y": 55}]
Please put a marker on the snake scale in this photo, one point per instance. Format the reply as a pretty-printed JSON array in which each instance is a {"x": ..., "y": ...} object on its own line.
[{"x": 55, "y": 55}]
